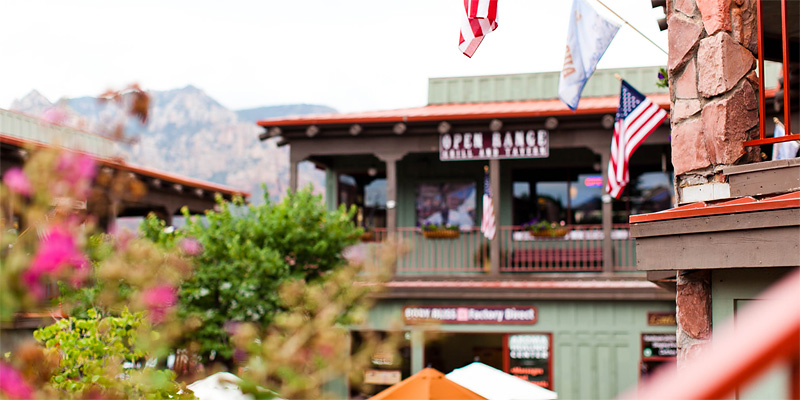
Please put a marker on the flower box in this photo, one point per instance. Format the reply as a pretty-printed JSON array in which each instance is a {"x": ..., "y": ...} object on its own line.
[
  {"x": 441, "y": 234},
  {"x": 368, "y": 236},
  {"x": 552, "y": 232}
]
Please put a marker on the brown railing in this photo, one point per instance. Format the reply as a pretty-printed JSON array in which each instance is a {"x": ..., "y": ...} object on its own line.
[
  {"x": 787, "y": 121},
  {"x": 624, "y": 247},
  {"x": 466, "y": 254},
  {"x": 579, "y": 250}
]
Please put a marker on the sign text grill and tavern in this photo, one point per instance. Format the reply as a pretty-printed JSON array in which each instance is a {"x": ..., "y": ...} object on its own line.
[{"x": 495, "y": 145}]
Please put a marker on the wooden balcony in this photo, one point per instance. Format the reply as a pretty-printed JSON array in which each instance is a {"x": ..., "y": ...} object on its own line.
[{"x": 579, "y": 250}]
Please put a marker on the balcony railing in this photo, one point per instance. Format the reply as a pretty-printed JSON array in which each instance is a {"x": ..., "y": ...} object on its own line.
[
  {"x": 579, "y": 250},
  {"x": 787, "y": 109}
]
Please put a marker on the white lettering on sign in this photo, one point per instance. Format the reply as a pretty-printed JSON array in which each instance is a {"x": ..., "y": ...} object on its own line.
[
  {"x": 447, "y": 141},
  {"x": 487, "y": 315},
  {"x": 495, "y": 145},
  {"x": 477, "y": 139}
]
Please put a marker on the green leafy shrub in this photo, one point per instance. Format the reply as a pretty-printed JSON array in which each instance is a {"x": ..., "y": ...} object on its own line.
[
  {"x": 92, "y": 353},
  {"x": 247, "y": 253}
]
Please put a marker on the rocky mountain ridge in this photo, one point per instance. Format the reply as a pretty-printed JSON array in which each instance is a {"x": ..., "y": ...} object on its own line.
[{"x": 190, "y": 133}]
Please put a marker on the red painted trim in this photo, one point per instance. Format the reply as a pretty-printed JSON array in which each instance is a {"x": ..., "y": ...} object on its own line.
[
  {"x": 761, "y": 95},
  {"x": 122, "y": 166},
  {"x": 790, "y": 200},
  {"x": 787, "y": 138},
  {"x": 787, "y": 107}
]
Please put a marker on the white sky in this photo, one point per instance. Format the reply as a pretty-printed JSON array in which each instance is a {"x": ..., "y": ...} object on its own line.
[{"x": 352, "y": 55}]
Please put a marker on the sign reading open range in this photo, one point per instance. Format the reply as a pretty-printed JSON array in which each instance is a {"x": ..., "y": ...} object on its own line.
[
  {"x": 470, "y": 315},
  {"x": 495, "y": 145}
]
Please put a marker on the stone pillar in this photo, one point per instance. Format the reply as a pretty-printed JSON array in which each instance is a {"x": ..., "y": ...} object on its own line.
[
  {"x": 693, "y": 312},
  {"x": 713, "y": 90},
  {"x": 713, "y": 93},
  {"x": 494, "y": 245}
]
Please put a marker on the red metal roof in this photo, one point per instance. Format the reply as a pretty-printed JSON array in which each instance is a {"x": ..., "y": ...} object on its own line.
[
  {"x": 740, "y": 205},
  {"x": 505, "y": 109},
  {"x": 123, "y": 166}
]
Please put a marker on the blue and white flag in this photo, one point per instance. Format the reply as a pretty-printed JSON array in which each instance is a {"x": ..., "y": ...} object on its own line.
[
  {"x": 783, "y": 150},
  {"x": 587, "y": 39}
]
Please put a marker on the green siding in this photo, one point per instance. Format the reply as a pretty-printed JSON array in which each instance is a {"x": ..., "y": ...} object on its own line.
[
  {"x": 596, "y": 345},
  {"x": 732, "y": 288},
  {"x": 544, "y": 85}
]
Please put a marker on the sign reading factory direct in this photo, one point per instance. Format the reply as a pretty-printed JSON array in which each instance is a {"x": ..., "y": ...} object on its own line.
[
  {"x": 470, "y": 315},
  {"x": 495, "y": 145}
]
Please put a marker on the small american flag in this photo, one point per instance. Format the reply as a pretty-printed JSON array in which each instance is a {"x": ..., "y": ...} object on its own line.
[
  {"x": 637, "y": 117},
  {"x": 480, "y": 19},
  {"x": 488, "y": 226}
]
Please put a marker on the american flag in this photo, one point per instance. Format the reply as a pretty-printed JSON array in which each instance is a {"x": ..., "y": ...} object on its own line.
[
  {"x": 479, "y": 20},
  {"x": 488, "y": 226},
  {"x": 637, "y": 118}
]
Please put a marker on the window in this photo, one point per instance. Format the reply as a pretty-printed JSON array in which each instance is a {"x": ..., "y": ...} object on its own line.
[{"x": 576, "y": 197}]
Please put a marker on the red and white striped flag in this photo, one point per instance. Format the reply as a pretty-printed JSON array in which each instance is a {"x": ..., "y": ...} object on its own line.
[
  {"x": 480, "y": 19},
  {"x": 637, "y": 118},
  {"x": 488, "y": 226}
]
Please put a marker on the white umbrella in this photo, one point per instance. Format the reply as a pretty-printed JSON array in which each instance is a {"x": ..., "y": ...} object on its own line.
[
  {"x": 220, "y": 386},
  {"x": 497, "y": 385}
]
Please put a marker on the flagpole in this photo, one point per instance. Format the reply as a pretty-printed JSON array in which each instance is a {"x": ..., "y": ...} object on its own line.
[{"x": 632, "y": 27}]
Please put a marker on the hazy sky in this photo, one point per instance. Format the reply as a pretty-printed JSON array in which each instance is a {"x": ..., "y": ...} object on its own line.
[{"x": 352, "y": 55}]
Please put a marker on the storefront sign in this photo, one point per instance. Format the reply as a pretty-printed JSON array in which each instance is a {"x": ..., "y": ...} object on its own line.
[
  {"x": 661, "y": 319},
  {"x": 470, "y": 315},
  {"x": 494, "y": 145},
  {"x": 659, "y": 345},
  {"x": 529, "y": 358},
  {"x": 382, "y": 377}
]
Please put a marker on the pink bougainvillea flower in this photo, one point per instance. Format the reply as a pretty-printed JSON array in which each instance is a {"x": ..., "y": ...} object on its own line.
[
  {"x": 158, "y": 299},
  {"x": 55, "y": 115},
  {"x": 78, "y": 170},
  {"x": 190, "y": 246},
  {"x": 57, "y": 250},
  {"x": 17, "y": 181},
  {"x": 12, "y": 384}
]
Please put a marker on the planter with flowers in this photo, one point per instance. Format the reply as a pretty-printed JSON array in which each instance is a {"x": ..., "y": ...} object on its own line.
[
  {"x": 546, "y": 229},
  {"x": 432, "y": 231}
]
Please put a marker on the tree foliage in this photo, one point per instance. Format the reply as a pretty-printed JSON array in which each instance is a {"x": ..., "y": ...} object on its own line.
[
  {"x": 248, "y": 252},
  {"x": 92, "y": 353}
]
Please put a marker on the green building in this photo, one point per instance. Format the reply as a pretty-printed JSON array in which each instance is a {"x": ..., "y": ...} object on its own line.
[{"x": 562, "y": 305}]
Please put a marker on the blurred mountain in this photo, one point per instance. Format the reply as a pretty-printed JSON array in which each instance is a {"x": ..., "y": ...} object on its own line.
[{"x": 191, "y": 134}]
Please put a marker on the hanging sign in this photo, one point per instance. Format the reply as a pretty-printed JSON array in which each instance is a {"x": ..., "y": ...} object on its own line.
[
  {"x": 659, "y": 345},
  {"x": 494, "y": 145},
  {"x": 529, "y": 358},
  {"x": 494, "y": 315},
  {"x": 661, "y": 319}
]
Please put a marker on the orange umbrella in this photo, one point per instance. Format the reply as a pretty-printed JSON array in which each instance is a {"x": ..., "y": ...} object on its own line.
[{"x": 428, "y": 384}]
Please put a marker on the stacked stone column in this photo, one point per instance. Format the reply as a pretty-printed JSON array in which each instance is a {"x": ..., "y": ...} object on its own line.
[{"x": 714, "y": 94}]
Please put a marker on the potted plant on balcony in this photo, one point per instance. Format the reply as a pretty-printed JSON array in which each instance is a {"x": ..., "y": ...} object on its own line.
[
  {"x": 368, "y": 235},
  {"x": 432, "y": 231},
  {"x": 546, "y": 228}
]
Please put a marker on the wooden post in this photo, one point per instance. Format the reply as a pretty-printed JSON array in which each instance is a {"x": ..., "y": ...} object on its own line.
[
  {"x": 494, "y": 245},
  {"x": 391, "y": 191},
  {"x": 293, "y": 164},
  {"x": 607, "y": 210}
]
